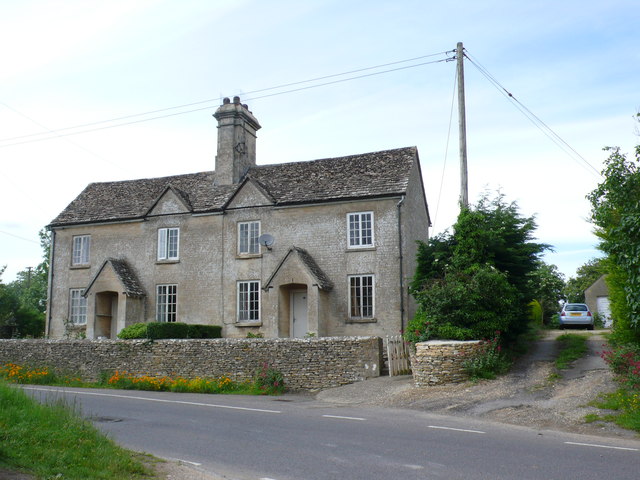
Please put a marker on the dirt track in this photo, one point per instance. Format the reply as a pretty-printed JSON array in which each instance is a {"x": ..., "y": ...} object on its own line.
[{"x": 529, "y": 395}]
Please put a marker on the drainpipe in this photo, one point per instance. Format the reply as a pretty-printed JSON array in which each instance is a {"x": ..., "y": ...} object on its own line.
[
  {"x": 401, "y": 261},
  {"x": 50, "y": 281}
]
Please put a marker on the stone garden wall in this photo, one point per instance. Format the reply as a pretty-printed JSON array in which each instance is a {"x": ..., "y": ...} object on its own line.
[
  {"x": 441, "y": 361},
  {"x": 307, "y": 364}
]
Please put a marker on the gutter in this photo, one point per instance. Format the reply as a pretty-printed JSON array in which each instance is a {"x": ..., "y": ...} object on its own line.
[
  {"x": 50, "y": 281},
  {"x": 401, "y": 261}
]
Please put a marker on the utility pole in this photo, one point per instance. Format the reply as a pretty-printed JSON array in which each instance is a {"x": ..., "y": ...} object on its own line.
[{"x": 462, "y": 129}]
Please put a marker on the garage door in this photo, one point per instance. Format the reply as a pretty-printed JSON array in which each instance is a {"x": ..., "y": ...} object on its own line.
[{"x": 602, "y": 305}]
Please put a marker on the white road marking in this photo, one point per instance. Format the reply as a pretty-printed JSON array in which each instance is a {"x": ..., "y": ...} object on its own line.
[
  {"x": 601, "y": 446},
  {"x": 345, "y": 418},
  {"x": 195, "y": 464},
  {"x": 160, "y": 400},
  {"x": 456, "y": 429}
]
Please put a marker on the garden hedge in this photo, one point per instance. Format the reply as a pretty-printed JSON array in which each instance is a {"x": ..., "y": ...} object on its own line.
[{"x": 160, "y": 330}]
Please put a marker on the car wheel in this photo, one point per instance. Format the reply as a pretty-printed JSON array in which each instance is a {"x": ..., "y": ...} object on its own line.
[{"x": 590, "y": 327}]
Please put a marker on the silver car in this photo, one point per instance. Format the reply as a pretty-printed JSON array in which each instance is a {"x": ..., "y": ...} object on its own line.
[{"x": 577, "y": 314}]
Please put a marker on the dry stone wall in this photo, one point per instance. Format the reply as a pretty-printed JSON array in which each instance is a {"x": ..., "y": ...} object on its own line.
[
  {"x": 307, "y": 364},
  {"x": 441, "y": 361}
]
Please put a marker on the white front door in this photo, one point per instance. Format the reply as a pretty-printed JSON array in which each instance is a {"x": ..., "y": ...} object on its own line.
[{"x": 299, "y": 323}]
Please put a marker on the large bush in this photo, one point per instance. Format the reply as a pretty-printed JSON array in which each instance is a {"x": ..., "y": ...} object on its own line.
[
  {"x": 137, "y": 330},
  {"x": 474, "y": 304},
  {"x": 477, "y": 281}
]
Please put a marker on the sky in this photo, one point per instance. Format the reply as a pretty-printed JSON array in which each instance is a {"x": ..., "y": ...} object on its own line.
[{"x": 163, "y": 67}]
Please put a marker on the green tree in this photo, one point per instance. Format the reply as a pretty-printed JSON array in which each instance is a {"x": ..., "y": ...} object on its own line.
[
  {"x": 9, "y": 304},
  {"x": 615, "y": 211},
  {"x": 586, "y": 275},
  {"x": 28, "y": 295},
  {"x": 548, "y": 285},
  {"x": 477, "y": 280},
  {"x": 495, "y": 233}
]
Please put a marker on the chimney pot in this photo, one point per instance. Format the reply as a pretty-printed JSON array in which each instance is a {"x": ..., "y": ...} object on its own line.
[
  {"x": 226, "y": 101},
  {"x": 236, "y": 100}
]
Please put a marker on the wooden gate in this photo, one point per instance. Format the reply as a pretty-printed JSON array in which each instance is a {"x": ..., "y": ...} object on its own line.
[{"x": 398, "y": 355}]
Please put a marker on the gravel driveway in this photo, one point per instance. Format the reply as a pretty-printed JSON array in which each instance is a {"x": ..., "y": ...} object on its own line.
[{"x": 527, "y": 396}]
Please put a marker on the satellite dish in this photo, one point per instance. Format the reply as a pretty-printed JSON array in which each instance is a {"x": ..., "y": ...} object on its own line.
[{"x": 266, "y": 240}]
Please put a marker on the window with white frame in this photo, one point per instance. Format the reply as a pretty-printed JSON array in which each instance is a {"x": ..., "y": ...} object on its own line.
[
  {"x": 249, "y": 301},
  {"x": 248, "y": 233},
  {"x": 81, "y": 247},
  {"x": 360, "y": 228},
  {"x": 168, "y": 243},
  {"x": 361, "y": 296},
  {"x": 166, "y": 303},
  {"x": 77, "y": 307}
]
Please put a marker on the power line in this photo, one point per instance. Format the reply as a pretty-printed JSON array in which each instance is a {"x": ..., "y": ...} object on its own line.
[
  {"x": 18, "y": 237},
  {"x": 446, "y": 150},
  {"x": 85, "y": 128},
  {"x": 57, "y": 135},
  {"x": 533, "y": 118}
]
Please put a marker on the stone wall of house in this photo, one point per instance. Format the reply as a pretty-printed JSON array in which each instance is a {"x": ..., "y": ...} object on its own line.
[
  {"x": 307, "y": 364},
  {"x": 209, "y": 262},
  {"x": 441, "y": 361}
]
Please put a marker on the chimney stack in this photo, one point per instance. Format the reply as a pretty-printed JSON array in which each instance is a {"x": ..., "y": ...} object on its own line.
[{"x": 237, "y": 129}]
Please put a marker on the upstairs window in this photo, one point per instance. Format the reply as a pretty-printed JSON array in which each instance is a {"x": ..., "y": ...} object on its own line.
[
  {"x": 168, "y": 243},
  {"x": 248, "y": 233},
  {"x": 166, "y": 303},
  {"x": 361, "y": 296},
  {"x": 249, "y": 301},
  {"x": 360, "y": 228},
  {"x": 81, "y": 247},
  {"x": 77, "y": 307}
]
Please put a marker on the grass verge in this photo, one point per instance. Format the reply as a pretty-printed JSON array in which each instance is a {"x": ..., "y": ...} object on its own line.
[
  {"x": 52, "y": 442},
  {"x": 626, "y": 405},
  {"x": 572, "y": 347}
]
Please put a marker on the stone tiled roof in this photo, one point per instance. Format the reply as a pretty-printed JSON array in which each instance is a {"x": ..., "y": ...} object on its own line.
[
  {"x": 131, "y": 199},
  {"x": 322, "y": 280},
  {"x": 376, "y": 174},
  {"x": 367, "y": 175},
  {"x": 128, "y": 279},
  {"x": 324, "y": 283}
]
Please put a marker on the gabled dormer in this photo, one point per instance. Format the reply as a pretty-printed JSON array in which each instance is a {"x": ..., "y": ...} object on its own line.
[
  {"x": 170, "y": 202},
  {"x": 250, "y": 194}
]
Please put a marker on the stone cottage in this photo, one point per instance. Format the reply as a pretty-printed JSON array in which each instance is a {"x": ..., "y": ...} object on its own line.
[{"x": 321, "y": 247}]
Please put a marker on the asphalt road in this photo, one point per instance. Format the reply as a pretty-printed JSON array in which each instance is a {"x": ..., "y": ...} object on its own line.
[{"x": 295, "y": 437}]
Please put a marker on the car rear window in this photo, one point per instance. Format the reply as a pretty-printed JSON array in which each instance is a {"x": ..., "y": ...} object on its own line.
[{"x": 576, "y": 308}]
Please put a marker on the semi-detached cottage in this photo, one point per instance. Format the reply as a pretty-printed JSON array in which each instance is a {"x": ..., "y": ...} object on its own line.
[{"x": 321, "y": 247}]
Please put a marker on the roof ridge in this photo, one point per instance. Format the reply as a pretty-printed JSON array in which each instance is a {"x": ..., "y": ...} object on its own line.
[{"x": 343, "y": 157}]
